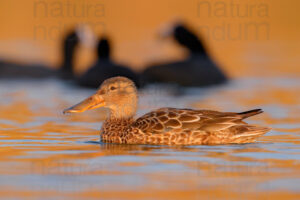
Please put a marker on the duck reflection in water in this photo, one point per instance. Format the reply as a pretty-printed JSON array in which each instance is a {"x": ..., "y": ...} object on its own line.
[{"x": 196, "y": 70}]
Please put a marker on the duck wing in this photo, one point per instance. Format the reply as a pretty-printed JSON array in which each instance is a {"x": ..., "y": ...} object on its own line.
[
  {"x": 167, "y": 119},
  {"x": 222, "y": 125}
]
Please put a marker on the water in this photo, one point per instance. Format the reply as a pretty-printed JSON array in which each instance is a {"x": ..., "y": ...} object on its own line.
[{"x": 44, "y": 154}]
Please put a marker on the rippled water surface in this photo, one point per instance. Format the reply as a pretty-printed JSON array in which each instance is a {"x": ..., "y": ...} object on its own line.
[{"x": 44, "y": 154}]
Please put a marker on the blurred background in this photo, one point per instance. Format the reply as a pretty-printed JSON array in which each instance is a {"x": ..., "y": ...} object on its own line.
[
  {"x": 45, "y": 154},
  {"x": 247, "y": 38}
]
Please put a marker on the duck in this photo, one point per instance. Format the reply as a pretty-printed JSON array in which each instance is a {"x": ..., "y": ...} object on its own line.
[
  {"x": 164, "y": 126},
  {"x": 197, "y": 70},
  {"x": 69, "y": 45},
  {"x": 105, "y": 67}
]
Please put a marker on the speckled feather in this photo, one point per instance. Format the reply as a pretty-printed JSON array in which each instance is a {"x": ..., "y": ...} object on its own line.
[
  {"x": 171, "y": 126},
  {"x": 165, "y": 126}
]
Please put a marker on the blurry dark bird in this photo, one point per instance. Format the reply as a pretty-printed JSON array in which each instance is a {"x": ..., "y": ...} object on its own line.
[
  {"x": 105, "y": 68},
  {"x": 35, "y": 71},
  {"x": 196, "y": 70},
  {"x": 69, "y": 46}
]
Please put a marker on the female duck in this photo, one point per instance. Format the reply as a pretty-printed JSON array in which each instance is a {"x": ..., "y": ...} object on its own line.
[{"x": 165, "y": 126}]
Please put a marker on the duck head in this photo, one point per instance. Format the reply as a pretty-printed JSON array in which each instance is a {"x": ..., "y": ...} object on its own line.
[
  {"x": 103, "y": 48},
  {"x": 184, "y": 36},
  {"x": 118, "y": 94}
]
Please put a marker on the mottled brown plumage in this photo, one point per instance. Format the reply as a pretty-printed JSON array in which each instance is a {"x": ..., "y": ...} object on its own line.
[{"x": 165, "y": 126}]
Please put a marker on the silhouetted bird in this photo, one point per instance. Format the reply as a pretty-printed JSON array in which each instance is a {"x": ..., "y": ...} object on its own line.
[
  {"x": 21, "y": 71},
  {"x": 105, "y": 68},
  {"x": 69, "y": 46},
  {"x": 196, "y": 70}
]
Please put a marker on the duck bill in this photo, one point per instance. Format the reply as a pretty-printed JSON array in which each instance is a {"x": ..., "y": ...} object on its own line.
[{"x": 94, "y": 101}]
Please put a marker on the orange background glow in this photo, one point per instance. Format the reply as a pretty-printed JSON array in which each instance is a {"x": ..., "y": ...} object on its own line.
[{"x": 31, "y": 31}]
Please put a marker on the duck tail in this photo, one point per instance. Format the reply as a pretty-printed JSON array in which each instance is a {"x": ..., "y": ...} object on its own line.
[
  {"x": 250, "y": 113},
  {"x": 250, "y": 134}
]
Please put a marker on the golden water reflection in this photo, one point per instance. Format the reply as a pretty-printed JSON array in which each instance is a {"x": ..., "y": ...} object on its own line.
[{"x": 43, "y": 153}]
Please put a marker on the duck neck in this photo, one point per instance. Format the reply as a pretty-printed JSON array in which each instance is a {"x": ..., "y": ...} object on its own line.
[
  {"x": 103, "y": 56},
  {"x": 119, "y": 121},
  {"x": 126, "y": 108},
  {"x": 114, "y": 130},
  {"x": 195, "y": 46},
  {"x": 122, "y": 114},
  {"x": 190, "y": 41},
  {"x": 69, "y": 48},
  {"x": 116, "y": 126},
  {"x": 103, "y": 49},
  {"x": 103, "y": 60},
  {"x": 197, "y": 49}
]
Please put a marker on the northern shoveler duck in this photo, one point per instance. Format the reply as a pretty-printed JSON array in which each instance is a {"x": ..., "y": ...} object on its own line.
[
  {"x": 65, "y": 71},
  {"x": 196, "y": 70},
  {"x": 165, "y": 126},
  {"x": 105, "y": 68}
]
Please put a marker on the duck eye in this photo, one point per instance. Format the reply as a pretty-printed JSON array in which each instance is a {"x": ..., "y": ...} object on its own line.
[{"x": 112, "y": 88}]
